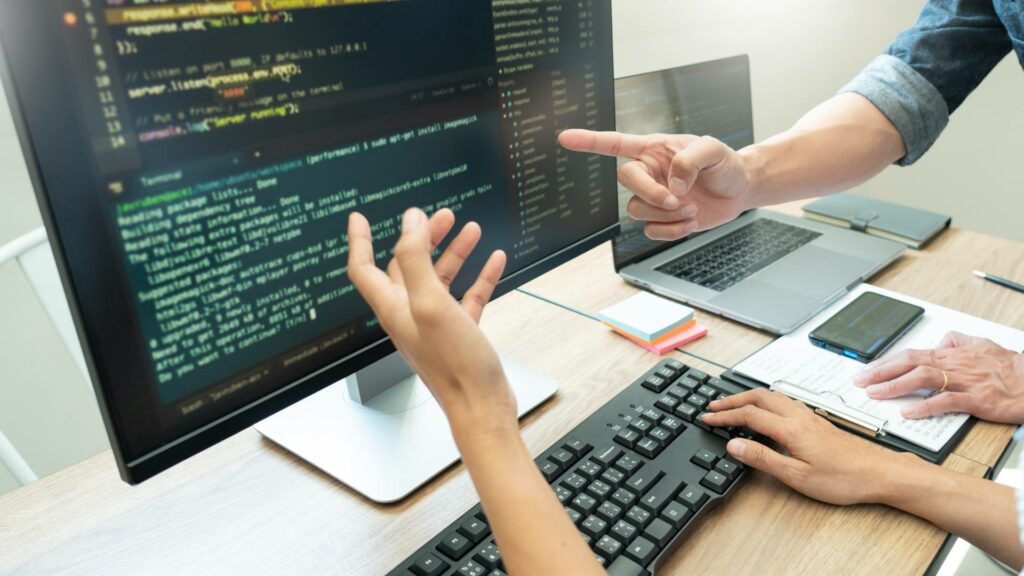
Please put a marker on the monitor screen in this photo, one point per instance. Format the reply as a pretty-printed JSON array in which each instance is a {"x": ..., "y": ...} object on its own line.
[
  {"x": 197, "y": 161},
  {"x": 706, "y": 99}
]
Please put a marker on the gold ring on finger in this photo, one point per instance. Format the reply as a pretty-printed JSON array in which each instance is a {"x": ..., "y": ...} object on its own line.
[{"x": 945, "y": 382}]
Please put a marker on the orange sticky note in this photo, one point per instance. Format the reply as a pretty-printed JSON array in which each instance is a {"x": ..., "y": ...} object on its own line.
[{"x": 666, "y": 345}]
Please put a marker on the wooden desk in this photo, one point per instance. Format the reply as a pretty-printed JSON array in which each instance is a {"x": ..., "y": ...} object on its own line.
[
  {"x": 942, "y": 273},
  {"x": 248, "y": 507}
]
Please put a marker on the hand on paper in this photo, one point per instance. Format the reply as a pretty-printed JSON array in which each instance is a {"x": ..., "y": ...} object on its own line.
[{"x": 984, "y": 379}]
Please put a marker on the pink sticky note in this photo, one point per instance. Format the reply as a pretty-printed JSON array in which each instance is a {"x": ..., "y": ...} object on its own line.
[{"x": 683, "y": 338}]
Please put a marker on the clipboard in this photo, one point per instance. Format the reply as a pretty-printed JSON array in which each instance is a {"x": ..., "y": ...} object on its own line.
[{"x": 853, "y": 420}]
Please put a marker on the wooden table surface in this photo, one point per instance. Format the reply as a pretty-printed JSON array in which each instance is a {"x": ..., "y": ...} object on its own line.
[{"x": 246, "y": 506}]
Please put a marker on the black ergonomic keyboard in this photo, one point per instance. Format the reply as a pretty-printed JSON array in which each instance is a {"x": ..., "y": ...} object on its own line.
[
  {"x": 739, "y": 254},
  {"x": 634, "y": 477}
]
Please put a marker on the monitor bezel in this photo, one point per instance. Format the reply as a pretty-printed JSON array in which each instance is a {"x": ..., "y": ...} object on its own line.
[{"x": 57, "y": 100}]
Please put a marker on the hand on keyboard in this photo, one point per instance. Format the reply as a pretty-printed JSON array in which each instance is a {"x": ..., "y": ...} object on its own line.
[
  {"x": 824, "y": 462},
  {"x": 436, "y": 335}
]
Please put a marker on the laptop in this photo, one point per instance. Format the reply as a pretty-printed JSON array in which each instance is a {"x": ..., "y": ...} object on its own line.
[{"x": 764, "y": 269}]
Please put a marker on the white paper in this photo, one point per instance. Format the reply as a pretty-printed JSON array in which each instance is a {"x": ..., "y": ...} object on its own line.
[{"x": 795, "y": 360}]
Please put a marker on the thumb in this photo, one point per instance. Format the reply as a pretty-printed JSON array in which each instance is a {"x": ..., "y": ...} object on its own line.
[{"x": 701, "y": 154}]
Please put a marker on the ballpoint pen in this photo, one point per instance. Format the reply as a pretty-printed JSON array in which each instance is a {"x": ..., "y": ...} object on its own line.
[{"x": 1001, "y": 281}]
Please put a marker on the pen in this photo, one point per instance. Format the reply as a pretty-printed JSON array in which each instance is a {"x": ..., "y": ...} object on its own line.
[{"x": 1001, "y": 281}]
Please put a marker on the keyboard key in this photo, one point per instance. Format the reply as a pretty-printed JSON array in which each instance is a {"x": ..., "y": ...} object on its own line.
[
  {"x": 623, "y": 566},
  {"x": 642, "y": 480},
  {"x": 641, "y": 425},
  {"x": 599, "y": 490},
  {"x": 655, "y": 384},
  {"x": 624, "y": 497},
  {"x": 667, "y": 403},
  {"x": 609, "y": 512},
  {"x": 697, "y": 400},
  {"x": 665, "y": 373},
  {"x": 455, "y": 546},
  {"x": 589, "y": 469},
  {"x": 585, "y": 504},
  {"x": 708, "y": 392},
  {"x": 686, "y": 411},
  {"x": 659, "y": 532},
  {"x": 715, "y": 481},
  {"x": 574, "y": 482},
  {"x": 688, "y": 384},
  {"x": 673, "y": 425},
  {"x": 628, "y": 464},
  {"x": 608, "y": 547},
  {"x": 661, "y": 494},
  {"x": 562, "y": 457},
  {"x": 564, "y": 494},
  {"x": 693, "y": 498},
  {"x": 675, "y": 365},
  {"x": 594, "y": 527},
  {"x": 613, "y": 477},
  {"x": 648, "y": 447},
  {"x": 623, "y": 531},
  {"x": 550, "y": 470},
  {"x": 678, "y": 392},
  {"x": 429, "y": 565},
  {"x": 699, "y": 421},
  {"x": 607, "y": 456},
  {"x": 470, "y": 568},
  {"x": 577, "y": 447},
  {"x": 497, "y": 572},
  {"x": 653, "y": 415},
  {"x": 705, "y": 459},
  {"x": 676, "y": 514},
  {"x": 637, "y": 516},
  {"x": 697, "y": 375},
  {"x": 642, "y": 551},
  {"x": 475, "y": 530},
  {"x": 600, "y": 559},
  {"x": 661, "y": 435},
  {"x": 729, "y": 467},
  {"x": 627, "y": 437},
  {"x": 574, "y": 515},
  {"x": 489, "y": 556}
]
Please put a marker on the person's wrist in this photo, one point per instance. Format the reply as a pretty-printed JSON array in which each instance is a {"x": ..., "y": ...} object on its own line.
[
  {"x": 896, "y": 479},
  {"x": 753, "y": 164},
  {"x": 482, "y": 416}
]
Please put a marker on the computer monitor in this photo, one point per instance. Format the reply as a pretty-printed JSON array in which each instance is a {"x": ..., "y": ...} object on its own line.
[
  {"x": 710, "y": 98},
  {"x": 196, "y": 161}
]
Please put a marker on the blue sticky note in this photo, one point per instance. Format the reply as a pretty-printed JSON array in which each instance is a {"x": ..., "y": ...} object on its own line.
[{"x": 646, "y": 316}]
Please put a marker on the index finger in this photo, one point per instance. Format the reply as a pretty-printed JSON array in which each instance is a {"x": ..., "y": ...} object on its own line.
[
  {"x": 371, "y": 282},
  {"x": 773, "y": 402},
  {"x": 757, "y": 419},
  {"x": 606, "y": 143}
]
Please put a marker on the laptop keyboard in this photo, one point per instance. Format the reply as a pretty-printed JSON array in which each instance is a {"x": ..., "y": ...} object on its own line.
[{"x": 739, "y": 255}]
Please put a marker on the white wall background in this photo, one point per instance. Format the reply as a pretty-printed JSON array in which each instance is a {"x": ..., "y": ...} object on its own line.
[{"x": 801, "y": 52}]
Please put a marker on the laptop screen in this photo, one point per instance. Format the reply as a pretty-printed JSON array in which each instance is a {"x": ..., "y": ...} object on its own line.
[{"x": 710, "y": 98}]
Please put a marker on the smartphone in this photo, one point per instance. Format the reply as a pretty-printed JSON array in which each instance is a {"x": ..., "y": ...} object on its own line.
[{"x": 867, "y": 327}]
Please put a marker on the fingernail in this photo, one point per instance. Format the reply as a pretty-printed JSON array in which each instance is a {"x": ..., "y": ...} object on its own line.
[
  {"x": 737, "y": 448},
  {"x": 689, "y": 212},
  {"x": 670, "y": 202},
  {"x": 678, "y": 186},
  {"x": 412, "y": 220},
  {"x": 909, "y": 411},
  {"x": 861, "y": 379},
  {"x": 874, "y": 390}
]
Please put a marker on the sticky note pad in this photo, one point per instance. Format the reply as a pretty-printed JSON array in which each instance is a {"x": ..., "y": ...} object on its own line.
[
  {"x": 666, "y": 345},
  {"x": 646, "y": 316}
]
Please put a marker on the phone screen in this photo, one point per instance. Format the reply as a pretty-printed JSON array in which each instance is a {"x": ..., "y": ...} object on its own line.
[{"x": 867, "y": 326}]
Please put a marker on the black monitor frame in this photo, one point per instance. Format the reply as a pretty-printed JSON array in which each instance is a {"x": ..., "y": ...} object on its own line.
[{"x": 43, "y": 96}]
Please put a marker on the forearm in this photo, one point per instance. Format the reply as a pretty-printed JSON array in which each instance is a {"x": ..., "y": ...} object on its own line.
[
  {"x": 530, "y": 525},
  {"x": 841, "y": 143},
  {"x": 979, "y": 511}
]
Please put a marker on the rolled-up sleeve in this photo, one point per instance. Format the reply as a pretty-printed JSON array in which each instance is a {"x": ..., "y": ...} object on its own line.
[{"x": 931, "y": 68}]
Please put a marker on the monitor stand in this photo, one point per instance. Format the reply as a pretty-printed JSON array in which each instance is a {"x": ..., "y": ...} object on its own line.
[{"x": 380, "y": 431}]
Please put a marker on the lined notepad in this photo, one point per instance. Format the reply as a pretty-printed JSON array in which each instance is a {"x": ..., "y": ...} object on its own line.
[{"x": 794, "y": 360}]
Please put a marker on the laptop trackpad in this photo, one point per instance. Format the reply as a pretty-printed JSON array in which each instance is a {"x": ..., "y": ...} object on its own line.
[
  {"x": 780, "y": 308},
  {"x": 814, "y": 272}
]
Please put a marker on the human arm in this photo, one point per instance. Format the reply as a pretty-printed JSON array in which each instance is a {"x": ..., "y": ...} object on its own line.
[
  {"x": 893, "y": 111},
  {"x": 833, "y": 466},
  {"x": 440, "y": 339},
  {"x": 981, "y": 378}
]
